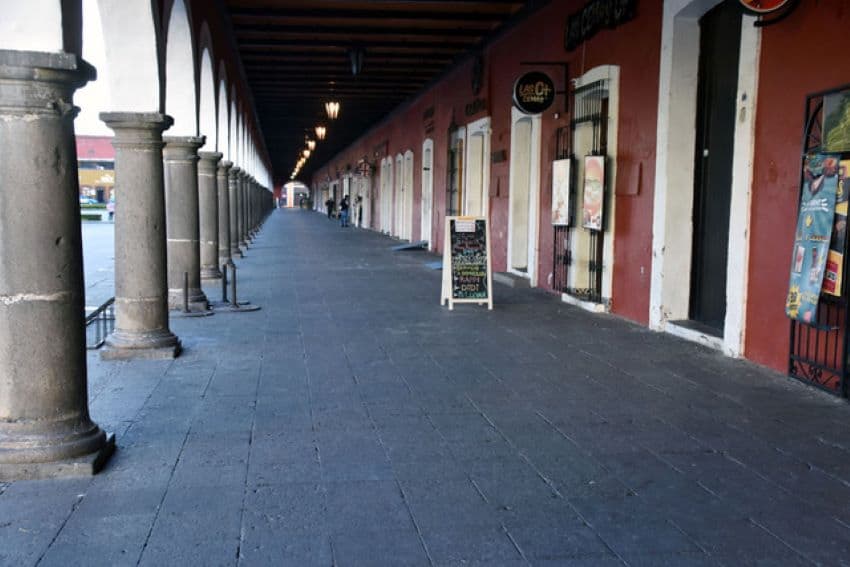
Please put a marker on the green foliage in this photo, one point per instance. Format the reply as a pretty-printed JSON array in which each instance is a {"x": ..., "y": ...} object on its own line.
[
  {"x": 95, "y": 217},
  {"x": 94, "y": 206}
]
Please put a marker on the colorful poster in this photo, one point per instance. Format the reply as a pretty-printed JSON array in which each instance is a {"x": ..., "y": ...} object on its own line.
[
  {"x": 813, "y": 235},
  {"x": 561, "y": 192},
  {"x": 594, "y": 192},
  {"x": 834, "y": 273},
  {"x": 836, "y": 122}
]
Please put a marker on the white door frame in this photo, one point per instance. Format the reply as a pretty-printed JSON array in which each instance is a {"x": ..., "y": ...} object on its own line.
[
  {"x": 674, "y": 176},
  {"x": 481, "y": 128},
  {"x": 426, "y": 206},
  {"x": 407, "y": 204},
  {"x": 534, "y": 160},
  {"x": 398, "y": 193}
]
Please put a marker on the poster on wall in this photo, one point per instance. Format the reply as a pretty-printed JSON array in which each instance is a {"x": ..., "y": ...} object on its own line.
[
  {"x": 594, "y": 192},
  {"x": 834, "y": 272},
  {"x": 561, "y": 192},
  {"x": 812, "y": 237},
  {"x": 836, "y": 122}
]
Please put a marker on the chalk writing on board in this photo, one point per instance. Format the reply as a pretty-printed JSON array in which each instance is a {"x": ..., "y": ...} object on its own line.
[{"x": 469, "y": 259}]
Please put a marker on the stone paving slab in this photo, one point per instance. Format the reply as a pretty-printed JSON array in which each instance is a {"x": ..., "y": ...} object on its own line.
[{"x": 353, "y": 421}]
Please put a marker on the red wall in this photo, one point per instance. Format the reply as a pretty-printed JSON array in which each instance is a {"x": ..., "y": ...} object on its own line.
[
  {"x": 801, "y": 55},
  {"x": 540, "y": 38}
]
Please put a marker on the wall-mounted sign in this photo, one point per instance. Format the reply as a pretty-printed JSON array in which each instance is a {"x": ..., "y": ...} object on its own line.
[
  {"x": 764, "y": 6},
  {"x": 534, "y": 92},
  {"x": 597, "y": 15}
]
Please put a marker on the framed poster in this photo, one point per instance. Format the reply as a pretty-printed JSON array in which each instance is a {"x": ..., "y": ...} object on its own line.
[
  {"x": 836, "y": 122},
  {"x": 561, "y": 192},
  {"x": 834, "y": 272},
  {"x": 814, "y": 232},
  {"x": 594, "y": 192}
]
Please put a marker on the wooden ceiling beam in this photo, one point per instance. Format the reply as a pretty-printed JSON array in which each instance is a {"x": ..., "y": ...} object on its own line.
[
  {"x": 374, "y": 46},
  {"x": 267, "y": 30}
]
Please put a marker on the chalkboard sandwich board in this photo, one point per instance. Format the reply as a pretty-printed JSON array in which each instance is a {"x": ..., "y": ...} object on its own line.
[{"x": 467, "y": 273}]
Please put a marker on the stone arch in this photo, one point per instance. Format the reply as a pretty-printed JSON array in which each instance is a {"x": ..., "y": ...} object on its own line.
[
  {"x": 180, "y": 91},
  {"x": 132, "y": 62},
  {"x": 223, "y": 132},
  {"x": 206, "y": 103}
]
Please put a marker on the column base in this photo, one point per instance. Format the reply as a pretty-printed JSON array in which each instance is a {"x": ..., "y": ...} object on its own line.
[
  {"x": 157, "y": 345},
  {"x": 237, "y": 253},
  {"x": 197, "y": 300},
  {"x": 213, "y": 273},
  {"x": 85, "y": 465}
]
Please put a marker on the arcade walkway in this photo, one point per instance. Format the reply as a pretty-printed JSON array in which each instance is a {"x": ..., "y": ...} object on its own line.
[{"x": 352, "y": 421}]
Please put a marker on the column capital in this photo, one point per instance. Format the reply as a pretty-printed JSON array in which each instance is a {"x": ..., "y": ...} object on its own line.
[
  {"x": 208, "y": 163},
  {"x": 57, "y": 76},
  {"x": 182, "y": 148},
  {"x": 137, "y": 130},
  {"x": 235, "y": 170},
  {"x": 225, "y": 166}
]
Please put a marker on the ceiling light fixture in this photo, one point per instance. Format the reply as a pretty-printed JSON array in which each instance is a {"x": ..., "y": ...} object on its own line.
[{"x": 332, "y": 109}]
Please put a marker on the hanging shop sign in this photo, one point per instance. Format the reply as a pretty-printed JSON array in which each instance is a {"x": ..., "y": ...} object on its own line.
[
  {"x": 467, "y": 270},
  {"x": 561, "y": 197},
  {"x": 534, "y": 92},
  {"x": 833, "y": 276},
  {"x": 765, "y": 6},
  {"x": 597, "y": 15},
  {"x": 811, "y": 243},
  {"x": 593, "y": 203}
]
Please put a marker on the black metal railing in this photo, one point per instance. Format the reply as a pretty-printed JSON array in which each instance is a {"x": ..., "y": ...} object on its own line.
[{"x": 99, "y": 323}]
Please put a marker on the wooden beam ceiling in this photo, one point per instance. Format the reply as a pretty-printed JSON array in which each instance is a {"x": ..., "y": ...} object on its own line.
[{"x": 296, "y": 55}]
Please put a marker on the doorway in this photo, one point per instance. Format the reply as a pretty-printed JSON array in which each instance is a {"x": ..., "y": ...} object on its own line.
[
  {"x": 720, "y": 40},
  {"x": 524, "y": 194},
  {"x": 454, "y": 186},
  {"x": 477, "y": 179},
  {"x": 427, "y": 192}
]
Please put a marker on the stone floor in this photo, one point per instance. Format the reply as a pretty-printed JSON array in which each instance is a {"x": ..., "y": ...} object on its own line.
[{"x": 353, "y": 421}]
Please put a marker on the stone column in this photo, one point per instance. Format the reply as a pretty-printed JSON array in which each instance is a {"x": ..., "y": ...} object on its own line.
[
  {"x": 242, "y": 207},
  {"x": 45, "y": 428},
  {"x": 141, "y": 285},
  {"x": 233, "y": 189},
  {"x": 252, "y": 196},
  {"x": 224, "y": 213},
  {"x": 181, "y": 216},
  {"x": 208, "y": 203}
]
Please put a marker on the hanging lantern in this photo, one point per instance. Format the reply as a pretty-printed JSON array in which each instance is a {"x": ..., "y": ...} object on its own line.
[
  {"x": 311, "y": 145},
  {"x": 306, "y": 153},
  {"x": 320, "y": 132},
  {"x": 332, "y": 109}
]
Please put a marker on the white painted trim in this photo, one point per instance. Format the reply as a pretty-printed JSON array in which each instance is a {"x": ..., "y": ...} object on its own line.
[
  {"x": 398, "y": 178},
  {"x": 590, "y": 306},
  {"x": 674, "y": 175},
  {"x": 737, "y": 270},
  {"x": 694, "y": 336}
]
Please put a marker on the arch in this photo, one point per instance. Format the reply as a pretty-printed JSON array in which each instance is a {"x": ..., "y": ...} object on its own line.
[
  {"x": 132, "y": 62},
  {"x": 234, "y": 149},
  {"x": 206, "y": 106},
  {"x": 180, "y": 92},
  {"x": 94, "y": 97},
  {"x": 222, "y": 140}
]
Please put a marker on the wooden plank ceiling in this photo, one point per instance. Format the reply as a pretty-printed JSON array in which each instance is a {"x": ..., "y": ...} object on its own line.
[{"x": 297, "y": 56}]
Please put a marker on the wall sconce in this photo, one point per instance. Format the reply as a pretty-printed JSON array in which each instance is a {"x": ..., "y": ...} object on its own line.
[{"x": 332, "y": 109}]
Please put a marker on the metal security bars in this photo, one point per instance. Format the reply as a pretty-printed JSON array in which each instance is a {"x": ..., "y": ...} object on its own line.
[
  {"x": 818, "y": 353},
  {"x": 590, "y": 109},
  {"x": 99, "y": 323}
]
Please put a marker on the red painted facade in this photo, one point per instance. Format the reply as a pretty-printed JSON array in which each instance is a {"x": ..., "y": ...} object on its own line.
[
  {"x": 95, "y": 148},
  {"x": 538, "y": 38},
  {"x": 798, "y": 57}
]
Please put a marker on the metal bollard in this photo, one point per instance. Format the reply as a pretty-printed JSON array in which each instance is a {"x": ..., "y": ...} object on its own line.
[
  {"x": 233, "y": 286},
  {"x": 185, "y": 292},
  {"x": 224, "y": 283}
]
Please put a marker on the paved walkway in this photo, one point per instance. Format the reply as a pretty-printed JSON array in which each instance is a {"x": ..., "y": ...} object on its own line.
[{"x": 353, "y": 421}]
